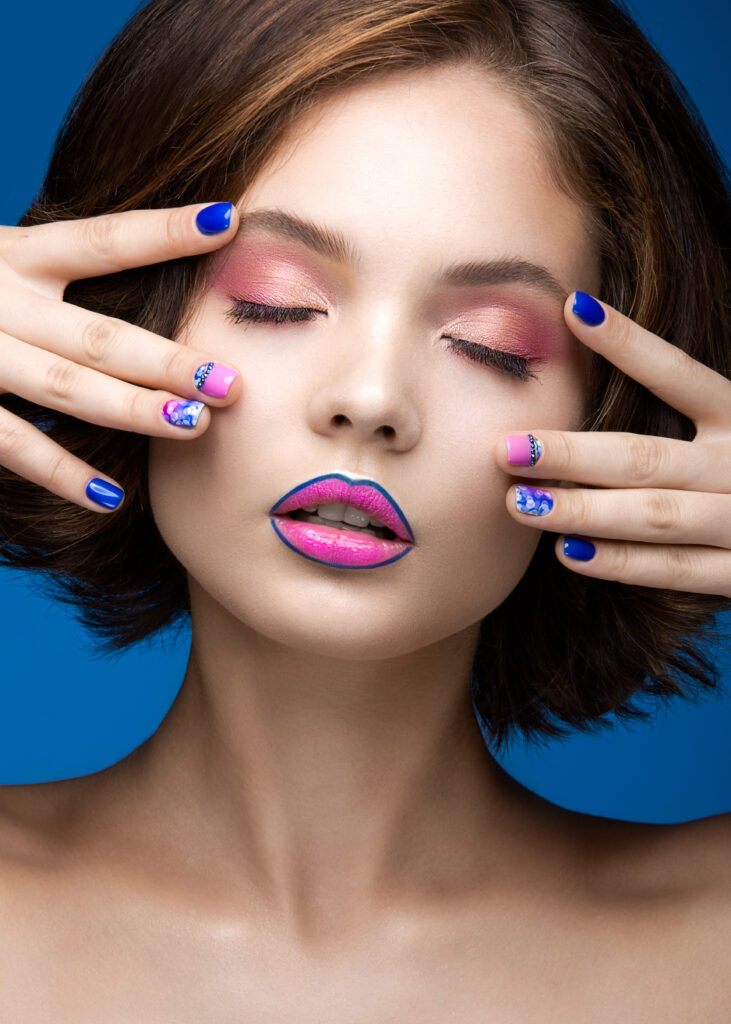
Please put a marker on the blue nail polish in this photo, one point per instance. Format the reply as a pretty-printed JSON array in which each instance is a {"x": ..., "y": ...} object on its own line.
[
  {"x": 182, "y": 413},
  {"x": 533, "y": 501},
  {"x": 214, "y": 219},
  {"x": 104, "y": 493},
  {"x": 587, "y": 309},
  {"x": 578, "y": 548}
]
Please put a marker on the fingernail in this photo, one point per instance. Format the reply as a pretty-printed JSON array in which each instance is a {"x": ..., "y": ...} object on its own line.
[
  {"x": 578, "y": 548},
  {"x": 534, "y": 501},
  {"x": 523, "y": 449},
  {"x": 214, "y": 379},
  {"x": 104, "y": 493},
  {"x": 182, "y": 414},
  {"x": 214, "y": 219},
  {"x": 587, "y": 309}
]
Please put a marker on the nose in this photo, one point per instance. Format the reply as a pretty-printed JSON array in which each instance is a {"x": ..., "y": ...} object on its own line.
[{"x": 366, "y": 395}]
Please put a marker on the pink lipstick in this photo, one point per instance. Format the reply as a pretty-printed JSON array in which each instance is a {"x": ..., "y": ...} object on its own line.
[{"x": 362, "y": 526}]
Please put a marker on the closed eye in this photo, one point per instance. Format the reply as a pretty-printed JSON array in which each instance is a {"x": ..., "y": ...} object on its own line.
[
  {"x": 257, "y": 312},
  {"x": 506, "y": 361}
]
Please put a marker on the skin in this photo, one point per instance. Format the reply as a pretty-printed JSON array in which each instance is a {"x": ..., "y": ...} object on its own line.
[{"x": 319, "y": 807}]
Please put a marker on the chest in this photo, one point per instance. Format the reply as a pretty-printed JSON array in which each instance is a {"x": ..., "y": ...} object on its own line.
[{"x": 99, "y": 960}]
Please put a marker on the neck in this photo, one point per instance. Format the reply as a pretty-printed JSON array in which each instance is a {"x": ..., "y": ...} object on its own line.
[{"x": 325, "y": 786}]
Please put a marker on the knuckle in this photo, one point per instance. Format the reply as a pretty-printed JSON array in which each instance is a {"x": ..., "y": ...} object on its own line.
[
  {"x": 684, "y": 566},
  {"x": 622, "y": 329},
  {"x": 562, "y": 451},
  {"x": 56, "y": 475},
  {"x": 581, "y": 509},
  {"x": 137, "y": 408},
  {"x": 617, "y": 561},
  {"x": 97, "y": 335},
  {"x": 13, "y": 437},
  {"x": 660, "y": 511},
  {"x": 682, "y": 366},
  {"x": 98, "y": 234},
  {"x": 176, "y": 366},
  {"x": 644, "y": 457},
  {"x": 175, "y": 231},
  {"x": 60, "y": 378}
]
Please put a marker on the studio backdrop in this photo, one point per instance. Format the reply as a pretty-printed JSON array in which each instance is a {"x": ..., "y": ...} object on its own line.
[{"x": 66, "y": 711}]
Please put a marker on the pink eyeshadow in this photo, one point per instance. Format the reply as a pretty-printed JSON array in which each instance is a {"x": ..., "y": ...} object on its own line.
[
  {"x": 509, "y": 327},
  {"x": 268, "y": 273}
]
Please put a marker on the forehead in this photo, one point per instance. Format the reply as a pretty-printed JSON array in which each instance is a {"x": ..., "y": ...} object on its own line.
[{"x": 442, "y": 160}]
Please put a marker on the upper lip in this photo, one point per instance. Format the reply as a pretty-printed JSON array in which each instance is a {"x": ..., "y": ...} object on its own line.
[{"x": 339, "y": 488}]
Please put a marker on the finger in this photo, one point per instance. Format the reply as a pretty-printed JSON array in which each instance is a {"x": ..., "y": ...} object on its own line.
[
  {"x": 115, "y": 347},
  {"x": 67, "y": 250},
  {"x": 27, "y": 451},
  {"x": 617, "y": 459},
  {"x": 696, "y": 570},
  {"x": 56, "y": 383},
  {"x": 687, "y": 385},
  {"x": 644, "y": 514}
]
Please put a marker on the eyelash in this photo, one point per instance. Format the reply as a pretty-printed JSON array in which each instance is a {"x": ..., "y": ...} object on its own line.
[{"x": 256, "y": 312}]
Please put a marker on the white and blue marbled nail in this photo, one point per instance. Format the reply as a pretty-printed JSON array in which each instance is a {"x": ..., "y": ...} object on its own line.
[
  {"x": 533, "y": 501},
  {"x": 182, "y": 413}
]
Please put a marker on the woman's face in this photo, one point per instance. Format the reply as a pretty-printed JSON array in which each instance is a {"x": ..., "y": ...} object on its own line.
[{"x": 418, "y": 172}]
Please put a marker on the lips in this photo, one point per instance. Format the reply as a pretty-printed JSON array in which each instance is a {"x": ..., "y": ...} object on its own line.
[
  {"x": 338, "y": 545},
  {"x": 337, "y": 488}
]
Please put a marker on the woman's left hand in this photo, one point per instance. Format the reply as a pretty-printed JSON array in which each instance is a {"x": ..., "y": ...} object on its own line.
[{"x": 660, "y": 512}]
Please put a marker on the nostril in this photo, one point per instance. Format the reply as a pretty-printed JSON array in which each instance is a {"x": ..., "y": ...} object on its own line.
[{"x": 388, "y": 431}]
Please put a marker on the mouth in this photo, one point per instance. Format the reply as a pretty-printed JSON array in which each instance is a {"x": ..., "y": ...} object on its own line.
[{"x": 342, "y": 521}]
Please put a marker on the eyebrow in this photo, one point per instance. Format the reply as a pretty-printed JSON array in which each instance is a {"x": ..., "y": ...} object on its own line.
[{"x": 335, "y": 246}]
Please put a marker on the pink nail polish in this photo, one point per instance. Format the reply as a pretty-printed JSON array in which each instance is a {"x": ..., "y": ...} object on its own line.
[
  {"x": 214, "y": 379},
  {"x": 523, "y": 449}
]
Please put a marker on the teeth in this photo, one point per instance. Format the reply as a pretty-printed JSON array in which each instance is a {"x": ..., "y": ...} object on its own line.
[
  {"x": 354, "y": 516},
  {"x": 334, "y": 513},
  {"x": 340, "y": 513}
]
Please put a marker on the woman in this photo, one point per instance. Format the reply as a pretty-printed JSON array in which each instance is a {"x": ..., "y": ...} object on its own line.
[{"x": 394, "y": 319}]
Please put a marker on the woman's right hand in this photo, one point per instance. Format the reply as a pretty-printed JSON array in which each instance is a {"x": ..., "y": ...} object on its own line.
[{"x": 99, "y": 368}]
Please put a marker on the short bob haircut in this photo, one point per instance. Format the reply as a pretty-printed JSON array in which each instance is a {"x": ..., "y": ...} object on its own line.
[{"x": 188, "y": 104}]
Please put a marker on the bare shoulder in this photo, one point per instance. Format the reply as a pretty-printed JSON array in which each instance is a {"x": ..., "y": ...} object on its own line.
[
  {"x": 34, "y": 818},
  {"x": 692, "y": 857}
]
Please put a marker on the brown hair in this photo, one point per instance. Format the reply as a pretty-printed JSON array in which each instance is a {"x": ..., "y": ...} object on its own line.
[{"x": 188, "y": 104}]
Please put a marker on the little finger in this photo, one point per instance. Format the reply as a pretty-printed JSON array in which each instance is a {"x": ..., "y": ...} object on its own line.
[
  {"x": 695, "y": 570},
  {"x": 28, "y": 452}
]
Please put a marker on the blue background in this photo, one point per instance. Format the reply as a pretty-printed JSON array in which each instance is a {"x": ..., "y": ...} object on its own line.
[{"x": 69, "y": 712}]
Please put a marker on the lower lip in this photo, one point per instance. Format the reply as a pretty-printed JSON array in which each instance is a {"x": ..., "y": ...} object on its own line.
[{"x": 340, "y": 549}]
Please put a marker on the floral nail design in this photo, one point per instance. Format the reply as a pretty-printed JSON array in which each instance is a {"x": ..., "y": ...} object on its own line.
[
  {"x": 182, "y": 414},
  {"x": 533, "y": 501}
]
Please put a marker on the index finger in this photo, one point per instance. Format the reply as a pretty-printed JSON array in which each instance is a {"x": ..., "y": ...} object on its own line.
[
  {"x": 68, "y": 250},
  {"x": 687, "y": 385}
]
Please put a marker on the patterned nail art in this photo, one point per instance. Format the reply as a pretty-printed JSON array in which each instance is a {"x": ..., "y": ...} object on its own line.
[
  {"x": 523, "y": 449},
  {"x": 182, "y": 414},
  {"x": 533, "y": 501},
  {"x": 214, "y": 379}
]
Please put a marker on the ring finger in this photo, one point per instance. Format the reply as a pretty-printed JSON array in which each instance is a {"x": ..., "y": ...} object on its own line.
[
  {"x": 57, "y": 383},
  {"x": 656, "y": 515}
]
